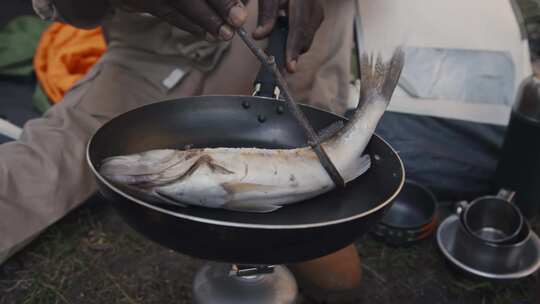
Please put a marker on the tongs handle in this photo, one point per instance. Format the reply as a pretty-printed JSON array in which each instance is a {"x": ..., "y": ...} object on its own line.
[
  {"x": 265, "y": 84},
  {"x": 314, "y": 141}
]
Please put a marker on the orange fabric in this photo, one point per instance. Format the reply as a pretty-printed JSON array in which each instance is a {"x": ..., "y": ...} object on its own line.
[{"x": 64, "y": 55}]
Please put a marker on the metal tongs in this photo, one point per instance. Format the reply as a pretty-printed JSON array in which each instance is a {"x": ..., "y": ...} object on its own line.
[{"x": 313, "y": 139}]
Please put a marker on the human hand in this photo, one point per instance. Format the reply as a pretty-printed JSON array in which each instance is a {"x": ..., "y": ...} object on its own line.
[
  {"x": 219, "y": 18},
  {"x": 305, "y": 18}
]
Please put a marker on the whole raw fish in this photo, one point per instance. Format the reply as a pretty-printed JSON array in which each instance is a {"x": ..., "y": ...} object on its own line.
[{"x": 261, "y": 180}]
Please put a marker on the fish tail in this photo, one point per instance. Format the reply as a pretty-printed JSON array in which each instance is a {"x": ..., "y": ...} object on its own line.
[{"x": 379, "y": 78}]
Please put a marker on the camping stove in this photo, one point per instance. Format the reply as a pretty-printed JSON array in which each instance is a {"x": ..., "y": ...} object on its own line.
[{"x": 237, "y": 284}]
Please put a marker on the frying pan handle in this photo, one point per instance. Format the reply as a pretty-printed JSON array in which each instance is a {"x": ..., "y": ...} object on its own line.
[
  {"x": 461, "y": 207},
  {"x": 265, "y": 85}
]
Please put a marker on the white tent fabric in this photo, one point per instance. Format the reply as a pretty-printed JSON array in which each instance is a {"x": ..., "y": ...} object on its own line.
[{"x": 482, "y": 27}]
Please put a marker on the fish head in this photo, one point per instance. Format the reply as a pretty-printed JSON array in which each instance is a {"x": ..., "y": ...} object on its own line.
[{"x": 140, "y": 168}]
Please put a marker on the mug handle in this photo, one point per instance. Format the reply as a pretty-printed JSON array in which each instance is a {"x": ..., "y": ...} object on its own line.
[
  {"x": 507, "y": 195},
  {"x": 460, "y": 208}
]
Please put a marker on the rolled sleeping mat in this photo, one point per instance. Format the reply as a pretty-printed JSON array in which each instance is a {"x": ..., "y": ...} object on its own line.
[{"x": 10, "y": 130}]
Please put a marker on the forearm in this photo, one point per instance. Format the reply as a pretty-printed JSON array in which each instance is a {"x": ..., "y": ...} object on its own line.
[{"x": 79, "y": 13}]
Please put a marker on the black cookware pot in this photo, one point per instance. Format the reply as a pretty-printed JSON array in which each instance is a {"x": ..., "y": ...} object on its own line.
[{"x": 412, "y": 217}]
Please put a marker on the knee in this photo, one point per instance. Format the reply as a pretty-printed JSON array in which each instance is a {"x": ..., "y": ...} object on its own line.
[{"x": 340, "y": 270}]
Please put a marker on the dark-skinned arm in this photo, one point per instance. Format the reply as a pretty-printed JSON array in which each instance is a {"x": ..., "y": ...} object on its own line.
[{"x": 217, "y": 18}]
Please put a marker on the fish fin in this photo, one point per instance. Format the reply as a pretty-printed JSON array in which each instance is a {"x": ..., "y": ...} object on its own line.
[
  {"x": 147, "y": 196},
  {"x": 236, "y": 188},
  {"x": 379, "y": 79},
  {"x": 210, "y": 162},
  {"x": 251, "y": 207},
  {"x": 239, "y": 188},
  {"x": 365, "y": 164},
  {"x": 330, "y": 130},
  {"x": 164, "y": 197},
  {"x": 393, "y": 73},
  {"x": 358, "y": 167}
]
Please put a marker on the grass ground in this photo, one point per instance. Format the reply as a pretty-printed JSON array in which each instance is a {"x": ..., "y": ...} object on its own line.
[{"x": 93, "y": 257}]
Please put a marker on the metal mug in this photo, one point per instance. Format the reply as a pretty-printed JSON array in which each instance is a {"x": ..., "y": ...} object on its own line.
[
  {"x": 492, "y": 219},
  {"x": 489, "y": 258}
]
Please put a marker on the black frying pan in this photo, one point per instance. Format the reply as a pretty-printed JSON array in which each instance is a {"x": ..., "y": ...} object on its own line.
[{"x": 294, "y": 233}]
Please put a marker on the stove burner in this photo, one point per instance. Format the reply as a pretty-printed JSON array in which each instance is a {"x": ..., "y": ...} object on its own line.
[
  {"x": 237, "y": 284},
  {"x": 250, "y": 270}
]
